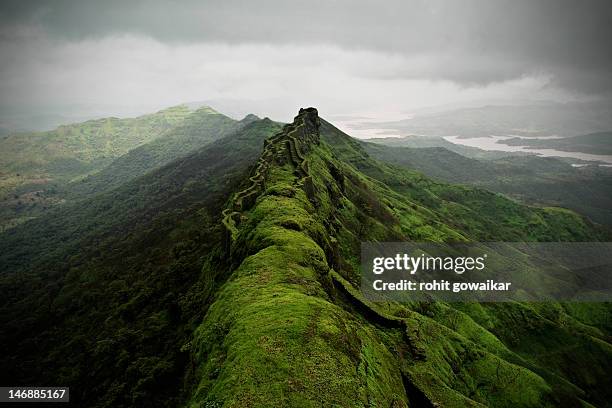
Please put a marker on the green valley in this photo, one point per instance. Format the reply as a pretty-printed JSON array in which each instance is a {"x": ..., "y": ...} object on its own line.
[
  {"x": 542, "y": 181},
  {"x": 40, "y": 171},
  {"x": 229, "y": 277}
]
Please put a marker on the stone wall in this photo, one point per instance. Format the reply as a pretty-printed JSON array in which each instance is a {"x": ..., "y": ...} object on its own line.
[{"x": 290, "y": 145}]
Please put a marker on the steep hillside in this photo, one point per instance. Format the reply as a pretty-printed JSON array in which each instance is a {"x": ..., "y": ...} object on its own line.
[
  {"x": 45, "y": 169},
  {"x": 289, "y": 328},
  {"x": 114, "y": 282},
  {"x": 534, "y": 180},
  {"x": 230, "y": 277}
]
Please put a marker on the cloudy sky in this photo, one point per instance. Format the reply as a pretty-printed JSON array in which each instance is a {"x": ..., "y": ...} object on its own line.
[{"x": 347, "y": 57}]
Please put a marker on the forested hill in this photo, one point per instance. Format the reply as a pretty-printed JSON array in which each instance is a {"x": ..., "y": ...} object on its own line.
[
  {"x": 114, "y": 282},
  {"x": 229, "y": 277},
  {"x": 543, "y": 181},
  {"x": 72, "y": 150},
  {"x": 39, "y": 171}
]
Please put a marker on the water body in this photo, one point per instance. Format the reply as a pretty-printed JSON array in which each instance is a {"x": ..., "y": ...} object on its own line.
[{"x": 492, "y": 143}]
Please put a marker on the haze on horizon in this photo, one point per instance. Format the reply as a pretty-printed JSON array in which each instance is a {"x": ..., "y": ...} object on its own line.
[{"x": 83, "y": 59}]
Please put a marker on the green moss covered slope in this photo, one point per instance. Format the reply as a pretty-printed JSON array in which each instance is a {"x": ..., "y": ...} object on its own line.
[
  {"x": 289, "y": 327},
  {"x": 229, "y": 277}
]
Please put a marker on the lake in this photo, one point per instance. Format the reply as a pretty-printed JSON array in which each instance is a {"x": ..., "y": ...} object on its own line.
[{"x": 491, "y": 143}]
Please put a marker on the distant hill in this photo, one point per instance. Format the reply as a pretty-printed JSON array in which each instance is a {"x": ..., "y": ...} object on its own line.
[
  {"x": 41, "y": 170},
  {"x": 544, "y": 119},
  {"x": 530, "y": 179},
  {"x": 74, "y": 150},
  {"x": 198, "y": 129},
  {"x": 437, "y": 141},
  {"x": 593, "y": 143}
]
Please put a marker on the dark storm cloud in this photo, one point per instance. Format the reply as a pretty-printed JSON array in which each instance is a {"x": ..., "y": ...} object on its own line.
[{"x": 469, "y": 42}]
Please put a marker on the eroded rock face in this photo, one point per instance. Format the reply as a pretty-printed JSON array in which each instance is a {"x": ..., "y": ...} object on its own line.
[{"x": 311, "y": 123}]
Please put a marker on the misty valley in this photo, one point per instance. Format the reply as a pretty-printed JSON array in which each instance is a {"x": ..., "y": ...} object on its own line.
[{"x": 197, "y": 260}]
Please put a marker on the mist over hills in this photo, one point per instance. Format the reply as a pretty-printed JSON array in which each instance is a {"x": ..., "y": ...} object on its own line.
[
  {"x": 42, "y": 170},
  {"x": 218, "y": 265},
  {"x": 529, "y": 120},
  {"x": 594, "y": 143},
  {"x": 543, "y": 181}
]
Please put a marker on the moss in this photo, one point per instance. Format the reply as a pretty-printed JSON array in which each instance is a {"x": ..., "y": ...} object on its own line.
[{"x": 287, "y": 330}]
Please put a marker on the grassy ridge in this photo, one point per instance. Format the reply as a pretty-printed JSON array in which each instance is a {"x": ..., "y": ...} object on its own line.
[
  {"x": 273, "y": 337},
  {"x": 43, "y": 170},
  {"x": 142, "y": 296},
  {"x": 251, "y": 348}
]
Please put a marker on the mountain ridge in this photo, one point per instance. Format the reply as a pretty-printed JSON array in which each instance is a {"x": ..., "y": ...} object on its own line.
[
  {"x": 292, "y": 245},
  {"x": 172, "y": 133},
  {"x": 228, "y": 277}
]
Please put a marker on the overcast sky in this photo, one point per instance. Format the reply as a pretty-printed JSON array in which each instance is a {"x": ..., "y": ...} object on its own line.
[{"x": 346, "y": 57}]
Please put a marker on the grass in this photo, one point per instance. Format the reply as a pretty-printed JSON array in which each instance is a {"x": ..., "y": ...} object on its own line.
[
  {"x": 273, "y": 316},
  {"x": 281, "y": 334}
]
